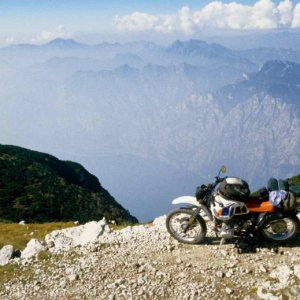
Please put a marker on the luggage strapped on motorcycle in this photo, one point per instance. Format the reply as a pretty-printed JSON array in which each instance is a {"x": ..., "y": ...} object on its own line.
[
  {"x": 234, "y": 188},
  {"x": 280, "y": 194}
]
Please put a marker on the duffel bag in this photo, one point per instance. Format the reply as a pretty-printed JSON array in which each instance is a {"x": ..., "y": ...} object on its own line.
[{"x": 290, "y": 202}]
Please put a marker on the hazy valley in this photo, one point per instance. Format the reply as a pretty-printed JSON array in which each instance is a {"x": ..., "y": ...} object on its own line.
[{"x": 152, "y": 122}]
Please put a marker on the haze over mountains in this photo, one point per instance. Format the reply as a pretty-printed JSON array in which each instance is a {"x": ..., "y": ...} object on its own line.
[{"x": 153, "y": 122}]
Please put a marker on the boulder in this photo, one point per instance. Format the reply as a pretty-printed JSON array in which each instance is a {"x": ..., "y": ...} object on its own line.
[
  {"x": 160, "y": 222},
  {"x": 297, "y": 270},
  {"x": 282, "y": 274},
  {"x": 33, "y": 248},
  {"x": 266, "y": 295},
  {"x": 65, "y": 239},
  {"x": 6, "y": 254}
]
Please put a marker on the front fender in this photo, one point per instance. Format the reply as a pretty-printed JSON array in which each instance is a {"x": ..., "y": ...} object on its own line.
[
  {"x": 186, "y": 199},
  {"x": 193, "y": 201}
]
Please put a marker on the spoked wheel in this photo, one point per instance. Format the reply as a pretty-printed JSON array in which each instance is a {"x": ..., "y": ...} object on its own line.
[
  {"x": 281, "y": 230},
  {"x": 185, "y": 228}
]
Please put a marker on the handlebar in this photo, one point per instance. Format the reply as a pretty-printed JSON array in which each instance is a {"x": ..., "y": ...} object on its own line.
[
  {"x": 218, "y": 180},
  {"x": 205, "y": 190}
]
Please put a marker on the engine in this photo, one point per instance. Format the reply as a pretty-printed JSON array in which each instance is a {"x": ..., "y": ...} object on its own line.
[
  {"x": 234, "y": 227},
  {"x": 229, "y": 213}
]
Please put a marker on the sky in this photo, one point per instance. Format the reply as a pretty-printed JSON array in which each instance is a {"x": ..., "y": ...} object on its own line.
[{"x": 39, "y": 21}]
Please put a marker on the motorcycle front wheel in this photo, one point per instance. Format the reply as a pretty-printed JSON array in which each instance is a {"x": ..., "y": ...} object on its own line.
[
  {"x": 182, "y": 227},
  {"x": 281, "y": 230}
]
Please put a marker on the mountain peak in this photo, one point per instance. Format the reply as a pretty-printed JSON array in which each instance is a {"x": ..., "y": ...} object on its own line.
[
  {"x": 125, "y": 69},
  {"x": 63, "y": 43},
  {"x": 280, "y": 71},
  {"x": 278, "y": 65},
  {"x": 195, "y": 47},
  {"x": 188, "y": 44}
]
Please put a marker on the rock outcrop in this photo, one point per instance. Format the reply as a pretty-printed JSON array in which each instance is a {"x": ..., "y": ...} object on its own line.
[
  {"x": 6, "y": 254},
  {"x": 33, "y": 248},
  {"x": 64, "y": 240}
]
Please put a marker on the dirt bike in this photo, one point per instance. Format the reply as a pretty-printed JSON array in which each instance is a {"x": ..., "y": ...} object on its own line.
[{"x": 234, "y": 212}]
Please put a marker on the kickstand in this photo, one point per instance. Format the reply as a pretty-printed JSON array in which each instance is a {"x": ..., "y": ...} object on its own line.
[{"x": 222, "y": 242}]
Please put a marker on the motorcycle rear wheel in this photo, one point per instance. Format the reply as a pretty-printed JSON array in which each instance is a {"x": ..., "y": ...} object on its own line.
[
  {"x": 178, "y": 226},
  {"x": 281, "y": 230}
]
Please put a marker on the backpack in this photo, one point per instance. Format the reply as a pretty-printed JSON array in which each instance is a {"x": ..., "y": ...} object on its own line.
[
  {"x": 283, "y": 185},
  {"x": 276, "y": 185},
  {"x": 290, "y": 202},
  {"x": 295, "y": 189},
  {"x": 273, "y": 185}
]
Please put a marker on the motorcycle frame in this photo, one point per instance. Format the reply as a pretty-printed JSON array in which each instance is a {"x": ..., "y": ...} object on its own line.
[{"x": 261, "y": 218}]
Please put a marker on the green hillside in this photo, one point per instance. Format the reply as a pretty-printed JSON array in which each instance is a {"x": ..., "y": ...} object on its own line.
[
  {"x": 38, "y": 187},
  {"x": 295, "y": 181}
]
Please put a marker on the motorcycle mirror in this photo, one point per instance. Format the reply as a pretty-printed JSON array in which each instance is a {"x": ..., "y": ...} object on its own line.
[{"x": 223, "y": 169}]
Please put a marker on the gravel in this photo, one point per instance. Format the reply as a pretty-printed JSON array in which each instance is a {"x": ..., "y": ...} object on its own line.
[{"x": 144, "y": 262}]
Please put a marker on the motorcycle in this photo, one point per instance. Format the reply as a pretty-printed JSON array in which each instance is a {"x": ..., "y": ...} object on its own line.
[{"x": 235, "y": 214}]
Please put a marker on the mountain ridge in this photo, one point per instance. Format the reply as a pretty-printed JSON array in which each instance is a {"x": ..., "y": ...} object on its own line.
[{"x": 38, "y": 187}]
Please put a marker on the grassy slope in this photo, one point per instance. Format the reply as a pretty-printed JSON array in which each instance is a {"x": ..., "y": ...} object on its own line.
[
  {"x": 19, "y": 235},
  {"x": 295, "y": 180}
]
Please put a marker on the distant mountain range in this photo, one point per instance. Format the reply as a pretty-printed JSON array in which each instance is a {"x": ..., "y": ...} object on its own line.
[
  {"x": 135, "y": 108},
  {"x": 278, "y": 79}
]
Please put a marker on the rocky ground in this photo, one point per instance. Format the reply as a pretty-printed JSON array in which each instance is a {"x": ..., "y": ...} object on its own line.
[{"x": 144, "y": 262}]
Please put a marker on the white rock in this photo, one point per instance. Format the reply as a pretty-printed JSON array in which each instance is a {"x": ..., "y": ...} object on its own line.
[
  {"x": 107, "y": 229},
  {"x": 294, "y": 291},
  {"x": 160, "y": 221},
  {"x": 281, "y": 273},
  {"x": 178, "y": 261},
  {"x": 6, "y": 254},
  {"x": 266, "y": 296},
  {"x": 262, "y": 269},
  {"x": 81, "y": 235},
  {"x": 229, "y": 273},
  {"x": 33, "y": 248},
  {"x": 22, "y": 222},
  {"x": 69, "y": 270},
  {"x": 73, "y": 277},
  {"x": 297, "y": 270},
  {"x": 220, "y": 274},
  {"x": 63, "y": 283},
  {"x": 119, "y": 282}
]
